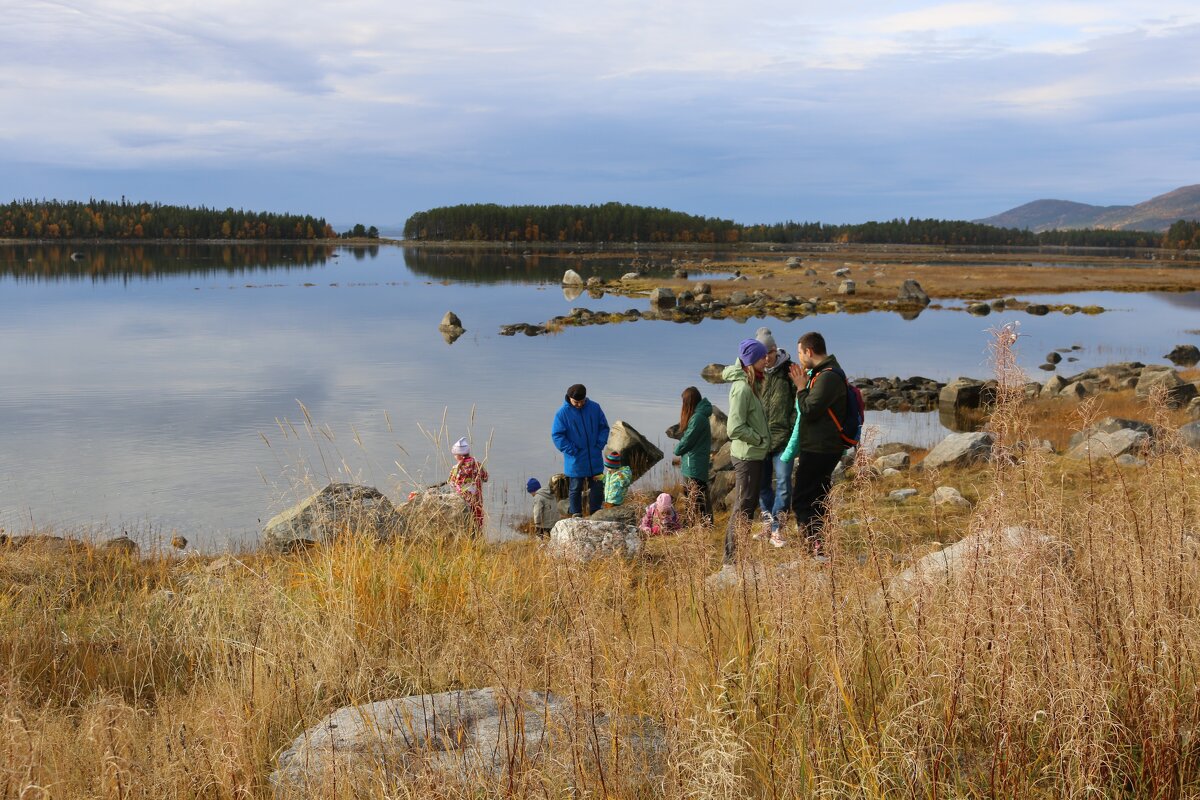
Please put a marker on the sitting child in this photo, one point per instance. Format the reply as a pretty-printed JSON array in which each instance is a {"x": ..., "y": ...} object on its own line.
[
  {"x": 616, "y": 479},
  {"x": 660, "y": 517},
  {"x": 545, "y": 510},
  {"x": 467, "y": 476}
]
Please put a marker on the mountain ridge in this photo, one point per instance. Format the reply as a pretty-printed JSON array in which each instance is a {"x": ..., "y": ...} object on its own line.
[{"x": 1156, "y": 214}]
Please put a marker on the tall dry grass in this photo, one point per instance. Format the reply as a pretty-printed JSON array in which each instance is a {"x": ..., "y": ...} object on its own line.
[{"x": 1020, "y": 677}]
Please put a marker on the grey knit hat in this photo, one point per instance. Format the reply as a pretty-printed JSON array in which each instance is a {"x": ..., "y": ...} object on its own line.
[{"x": 768, "y": 341}]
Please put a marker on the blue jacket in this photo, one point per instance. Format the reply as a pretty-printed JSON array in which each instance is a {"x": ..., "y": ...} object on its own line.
[{"x": 580, "y": 434}]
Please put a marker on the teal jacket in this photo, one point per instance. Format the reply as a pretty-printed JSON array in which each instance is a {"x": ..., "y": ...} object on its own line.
[
  {"x": 695, "y": 445},
  {"x": 747, "y": 422}
]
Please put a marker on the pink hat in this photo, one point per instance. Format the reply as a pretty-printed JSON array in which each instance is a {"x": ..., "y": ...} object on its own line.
[{"x": 663, "y": 502}]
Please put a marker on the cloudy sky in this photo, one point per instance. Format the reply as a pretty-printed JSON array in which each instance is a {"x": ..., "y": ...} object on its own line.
[{"x": 761, "y": 110}]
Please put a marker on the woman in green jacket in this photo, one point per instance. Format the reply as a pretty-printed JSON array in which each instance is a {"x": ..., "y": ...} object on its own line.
[
  {"x": 749, "y": 437},
  {"x": 695, "y": 452}
]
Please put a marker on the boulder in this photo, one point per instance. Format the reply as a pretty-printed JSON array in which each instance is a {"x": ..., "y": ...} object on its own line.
[
  {"x": 794, "y": 263},
  {"x": 594, "y": 282},
  {"x": 1178, "y": 391},
  {"x": 959, "y": 449},
  {"x": 120, "y": 545},
  {"x": 1193, "y": 409},
  {"x": 464, "y": 740},
  {"x": 846, "y": 287},
  {"x": 739, "y": 298},
  {"x": 890, "y": 448},
  {"x": 438, "y": 511},
  {"x": 1190, "y": 434},
  {"x": 964, "y": 393},
  {"x": 1115, "y": 444},
  {"x": 1111, "y": 425},
  {"x": 720, "y": 484},
  {"x": 842, "y": 272},
  {"x": 723, "y": 458},
  {"x": 979, "y": 309},
  {"x": 1012, "y": 544},
  {"x": 1054, "y": 386},
  {"x": 636, "y": 450},
  {"x": 712, "y": 373},
  {"x": 587, "y": 539},
  {"x": 949, "y": 496},
  {"x": 719, "y": 425},
  {"x": 894, "y": 461},
  {"x": 1184, "y": 355},
  {"x": 1037, "y": 309},
  {"x": 900, "y": 495},
  {"x": 322, "y": 517},
  {"x": 911, "y": 294},
  {"x": 630, "y": 276},
  {"x": 1076, "y": 389},
  {"x": 572, "y": 278},
  {"x": 450, "y": 320},
  {"x": 627, "y": 514},
  {"x": 1053, "y": 358},
  {"x": 662, "y": 297}
]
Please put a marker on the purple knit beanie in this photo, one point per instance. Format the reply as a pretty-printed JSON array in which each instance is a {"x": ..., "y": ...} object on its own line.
[{"x": 751, "y": 350}]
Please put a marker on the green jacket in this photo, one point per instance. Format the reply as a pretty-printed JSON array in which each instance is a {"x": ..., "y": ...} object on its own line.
[
  {"x": 815, "y": 431},
  {"x": 747, "y": 421},
  {"x": 779, "y": 401},
  {"x": 695, "y": 445}
]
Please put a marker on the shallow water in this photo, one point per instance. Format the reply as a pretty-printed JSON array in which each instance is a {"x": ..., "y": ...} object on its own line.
[{"x": 160, "y": 388}]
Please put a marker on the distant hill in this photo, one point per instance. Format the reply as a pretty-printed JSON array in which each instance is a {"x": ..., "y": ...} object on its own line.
[{"x": 1156, "y": 214}]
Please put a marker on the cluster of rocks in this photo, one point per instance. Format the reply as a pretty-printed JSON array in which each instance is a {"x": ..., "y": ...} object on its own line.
[
  {"x": 1143, "y": 378},
  {"x": 900, "y": 394}
]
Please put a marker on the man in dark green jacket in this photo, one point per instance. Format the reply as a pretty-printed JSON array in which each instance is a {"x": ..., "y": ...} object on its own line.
[{"x": 821, "y": 403}]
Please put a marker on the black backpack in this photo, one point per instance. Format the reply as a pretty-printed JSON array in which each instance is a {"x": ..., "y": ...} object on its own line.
[{"x": 850, "y": 426}]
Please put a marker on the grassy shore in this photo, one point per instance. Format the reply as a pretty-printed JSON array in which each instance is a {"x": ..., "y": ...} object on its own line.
[{"x": 184, "y": 677}]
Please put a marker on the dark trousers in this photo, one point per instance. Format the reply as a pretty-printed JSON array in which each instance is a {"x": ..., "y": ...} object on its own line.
[
  {"x": 697, "y": 500},
  {"x": 747, "y": 477},
  {"x": 575, "y": 495},
  {"x": 814, "y": 477}
]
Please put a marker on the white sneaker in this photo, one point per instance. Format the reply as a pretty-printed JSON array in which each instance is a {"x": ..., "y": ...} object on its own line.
[{"x": 777, "y": 540}]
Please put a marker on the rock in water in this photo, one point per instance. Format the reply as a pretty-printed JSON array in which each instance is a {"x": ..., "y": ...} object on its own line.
[
  {"x": 1184, "y": 355},
  {"x": 911, "y": 294},
  {"x": 636, "y": 450},
  {"x": 662, "y": 297},
  {"x": 337, "y": 509},
  {"x": 572, "y": 278},
  {"x": 712, "y": 373},
  {"x": 466, "y": 740},
  {"x": 451, "y": 320},
  {"x": 585, "y": 539}
]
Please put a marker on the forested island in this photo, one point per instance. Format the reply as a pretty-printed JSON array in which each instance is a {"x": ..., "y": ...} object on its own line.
[
  {"x": 620, "y": 222},
  {"x": 106, "y": 220}
]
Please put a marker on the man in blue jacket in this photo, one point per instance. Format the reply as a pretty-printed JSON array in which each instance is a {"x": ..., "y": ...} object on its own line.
[{"x": 580, "y": 432}]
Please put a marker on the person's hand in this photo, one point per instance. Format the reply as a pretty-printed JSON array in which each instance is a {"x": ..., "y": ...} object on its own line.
[{"x": 796, "y": 373}]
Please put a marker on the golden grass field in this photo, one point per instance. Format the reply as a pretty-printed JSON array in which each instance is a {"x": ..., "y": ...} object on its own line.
[{"x": 184, "y": 677}]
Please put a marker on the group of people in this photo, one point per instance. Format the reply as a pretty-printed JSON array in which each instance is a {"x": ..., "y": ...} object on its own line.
[{"x": 786, "y": 426}]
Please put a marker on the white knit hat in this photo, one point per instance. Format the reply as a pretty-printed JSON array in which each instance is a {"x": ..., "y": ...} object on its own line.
[{"x": 461, "y": 447}]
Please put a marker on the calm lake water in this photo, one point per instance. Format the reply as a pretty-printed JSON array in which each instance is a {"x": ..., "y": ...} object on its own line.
[{"x": 202, "y": 389}]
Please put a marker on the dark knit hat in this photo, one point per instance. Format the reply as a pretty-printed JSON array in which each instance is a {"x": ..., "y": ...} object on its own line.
[
  {"x": 750, "y": 351},
  {"x": 612, "y": 460},
  {"x": 532, "y": 485}
]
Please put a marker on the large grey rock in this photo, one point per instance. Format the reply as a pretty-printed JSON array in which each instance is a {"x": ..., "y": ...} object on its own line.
[
  {"x": 720, "y": 484},
  {"x": 572, "y": 278},
  {"x": 894, "y": 461},
  {"x": 1115, "y": 444},
  {"x": 960, "y": 449},
  {"x": 976, "y": 550},
  {"x": 637, "y": 451},
  {"x": 450, "y": 320},
  {"x": 911, "y": 294},
  {"x": 1111, "y": 425},
  {"x": 949, "y": 496},
  {"x": 337, "y": 509},
  {"x": 1054, "y": 386},
  {"x": 435, "y": 512},
  {"x": 472, "y": 741},
  {"x": 586, "y": 539},
  {"x": 1178, "y": 391},
  {"x": 900, "y": 495},
  {"x": 965, "y": 393},
  {"x": 719, "y": 425},
  {"x": 1190, "y": 434},
  {"x": 847, "y": 287},
  {"x": 662, "y": 297},
  {"x": 723, "y": 458},
  {"x": 713, "y": 372}
]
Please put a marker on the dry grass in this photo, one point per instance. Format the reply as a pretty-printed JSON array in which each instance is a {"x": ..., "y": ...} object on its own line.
[{"x": 157, "y": 678}]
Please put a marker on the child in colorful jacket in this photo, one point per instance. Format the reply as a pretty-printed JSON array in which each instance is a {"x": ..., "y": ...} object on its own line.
[
  {"x": 660, "y": 517},
  {"x": 467, "y": 476},
  {"x": 616, "y": 479}
]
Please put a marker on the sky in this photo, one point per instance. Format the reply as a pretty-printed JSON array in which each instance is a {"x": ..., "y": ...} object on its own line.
[{"x": 759, "y": 111}]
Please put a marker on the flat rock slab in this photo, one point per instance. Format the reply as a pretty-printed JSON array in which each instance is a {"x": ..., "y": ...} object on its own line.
[
  {"x": 1099, "y": 444},
  {"x": 472, "y": 740}
]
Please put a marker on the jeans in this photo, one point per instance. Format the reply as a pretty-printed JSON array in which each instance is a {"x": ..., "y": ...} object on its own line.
[
  {"x": 775, "y": 497},
  {"x": 814, "y": 477},
  {"x": 748, "y": 480},
  {"x": 575, "y": 495}
]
